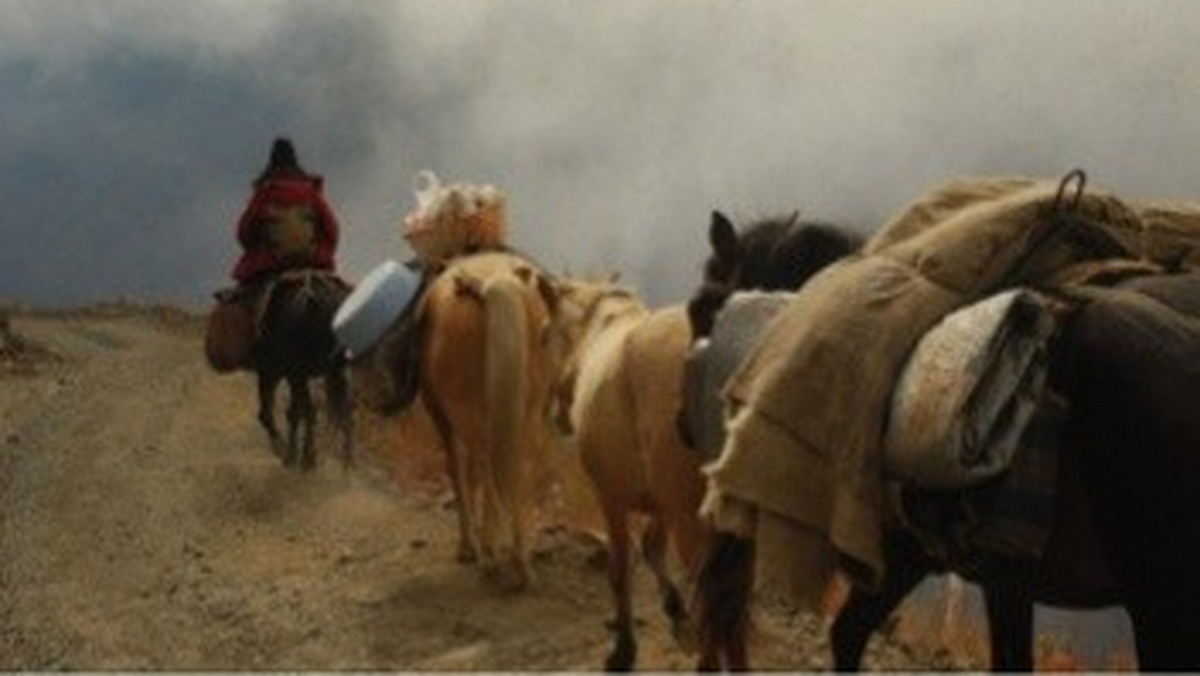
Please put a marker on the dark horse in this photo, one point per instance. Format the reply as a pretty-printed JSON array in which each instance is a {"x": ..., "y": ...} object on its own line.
[
  {"x": 1126, "y": 529},
  {"x": 775, "y": 254},
  {"x": 297, "y": 344}
]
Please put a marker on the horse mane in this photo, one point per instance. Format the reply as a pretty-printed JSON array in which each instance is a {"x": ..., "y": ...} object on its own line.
[
  {"x": 780, "y": 253},
  {"x": 776, "y": 253}
]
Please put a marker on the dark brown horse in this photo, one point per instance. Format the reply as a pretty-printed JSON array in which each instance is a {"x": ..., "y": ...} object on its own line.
[
  {"x": 773, "y": 254},
  {"x": 1124, "y": 531},
  {"x": 297, "y": 344}
]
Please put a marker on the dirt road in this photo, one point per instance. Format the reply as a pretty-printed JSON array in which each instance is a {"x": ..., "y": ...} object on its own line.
[{"x": 144, "y": 524}]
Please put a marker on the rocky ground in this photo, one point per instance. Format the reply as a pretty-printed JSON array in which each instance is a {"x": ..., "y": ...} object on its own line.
[{"x": 145, "y": 524}]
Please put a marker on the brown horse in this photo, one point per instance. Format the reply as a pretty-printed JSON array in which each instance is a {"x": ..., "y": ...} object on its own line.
[
  {"x": 487, "y": 318},
  {"x": 297, "y": 344},
  {"x": 490, "y": 350},
  {"x": 622, "y": 387},
  {"x": 1123, "y": 397}
]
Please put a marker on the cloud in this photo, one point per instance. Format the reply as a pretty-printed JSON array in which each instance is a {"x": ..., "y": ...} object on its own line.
[{"x": 132, "y": 128}]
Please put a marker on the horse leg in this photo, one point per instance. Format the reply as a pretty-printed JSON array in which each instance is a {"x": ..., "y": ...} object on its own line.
[
  {"x": 341, "y": 411},
  {"x": 266, "y": 404},
  {"x": 864, "y": 612},
  {"x": 624, "y": 651},
  {"x": 1163, "y": 632},
  {"x": 723, "y": 588},
  {"x": 468, "y": 544},
  {"x": 1009, "y": 604},
  {"x": 654, "y": 551},
  {"x": 301, "y": 423}
]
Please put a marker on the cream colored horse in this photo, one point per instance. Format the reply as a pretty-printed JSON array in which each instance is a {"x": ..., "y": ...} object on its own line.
[
  {"x": 623, "y": 387},
  {"x": 489, "y": 357}
]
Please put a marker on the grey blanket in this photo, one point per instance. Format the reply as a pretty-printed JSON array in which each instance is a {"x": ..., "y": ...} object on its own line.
[{"x": 737, "y": 328}]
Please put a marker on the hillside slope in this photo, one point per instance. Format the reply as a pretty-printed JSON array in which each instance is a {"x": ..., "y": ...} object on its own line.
[{"x": 145, "y": 524}]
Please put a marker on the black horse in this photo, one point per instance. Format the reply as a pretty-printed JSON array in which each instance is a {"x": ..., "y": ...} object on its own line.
[
  {"x": 1126, "y": 528},
  {"x": 297, "y": 344}
]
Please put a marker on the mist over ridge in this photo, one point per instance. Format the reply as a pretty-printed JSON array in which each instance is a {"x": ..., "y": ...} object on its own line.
[{"x": 131, "y": 129}]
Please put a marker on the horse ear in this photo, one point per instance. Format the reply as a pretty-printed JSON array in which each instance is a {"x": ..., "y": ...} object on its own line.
[
  {"x": 550, "y": 292},
  {"x": 723, "y": 237},
  {"x": 613, "y": 277}
]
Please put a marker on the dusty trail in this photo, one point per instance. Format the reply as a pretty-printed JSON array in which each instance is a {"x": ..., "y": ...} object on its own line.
[{"x": 145, "y": 525}]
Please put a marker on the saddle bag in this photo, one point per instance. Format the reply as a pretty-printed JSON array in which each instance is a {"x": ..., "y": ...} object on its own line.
[
  {"x": 968, "y": 392},
  {"x": 229, "y": 338}
]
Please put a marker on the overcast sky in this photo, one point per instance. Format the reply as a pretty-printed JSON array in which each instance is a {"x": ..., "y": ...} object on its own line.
[{"x": 130, "y": 129}]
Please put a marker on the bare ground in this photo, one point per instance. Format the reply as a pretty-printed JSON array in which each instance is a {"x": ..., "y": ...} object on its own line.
[{"x": 145, "y": 524}]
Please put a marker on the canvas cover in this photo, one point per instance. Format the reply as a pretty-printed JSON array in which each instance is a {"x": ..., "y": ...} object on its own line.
[
  {"x": 736, "y": 328},
  {"x": 802, "y": 468}
]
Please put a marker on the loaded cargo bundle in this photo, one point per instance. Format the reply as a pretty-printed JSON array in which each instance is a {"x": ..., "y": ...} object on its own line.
[
  {"x": 455, "y": 219},
  {"x": 803, "y": 470}
]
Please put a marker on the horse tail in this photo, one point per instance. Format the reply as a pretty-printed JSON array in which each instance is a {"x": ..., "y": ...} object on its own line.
[
  {"x": 722, "y": 602},
  {"x": 507, "y": 362}
]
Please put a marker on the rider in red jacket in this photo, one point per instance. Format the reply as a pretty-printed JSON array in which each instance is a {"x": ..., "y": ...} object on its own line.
[{"x": 287, "y": 209}]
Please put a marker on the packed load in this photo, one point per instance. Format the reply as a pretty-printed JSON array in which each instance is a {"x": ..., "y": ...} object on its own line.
[
  {"x": 804, "y": 468},
  {"x": 451, "y": 220}
]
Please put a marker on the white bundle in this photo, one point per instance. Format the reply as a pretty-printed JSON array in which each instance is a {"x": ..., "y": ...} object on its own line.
[{"x": 454, "y": 219}]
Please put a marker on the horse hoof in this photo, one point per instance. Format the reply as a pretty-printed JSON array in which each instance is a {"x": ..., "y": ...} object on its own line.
[
  {"x": 506, "y": 579},
  {"x": 467, "y": 554},
  {"x": 619, "y": 660}
]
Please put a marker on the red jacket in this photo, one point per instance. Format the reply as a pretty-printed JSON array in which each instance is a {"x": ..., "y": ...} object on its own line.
[{"x": 258, "y": 258}]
